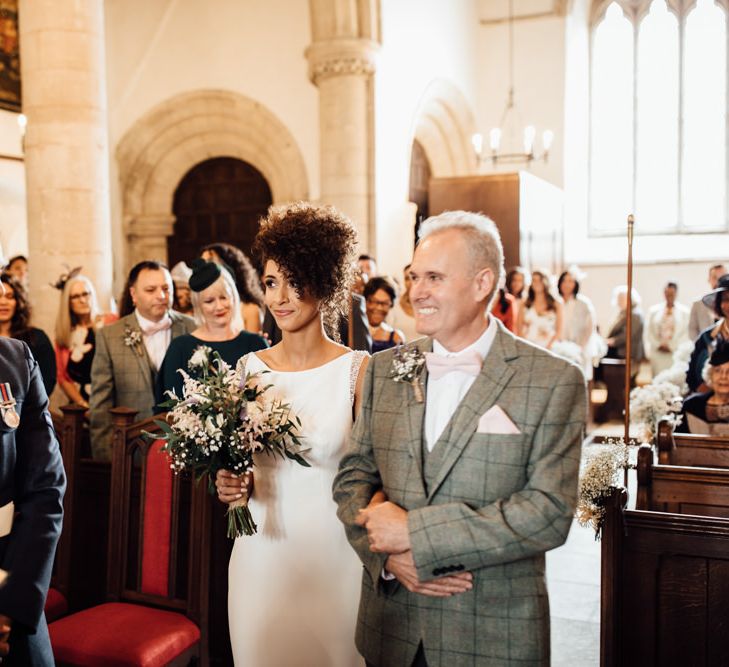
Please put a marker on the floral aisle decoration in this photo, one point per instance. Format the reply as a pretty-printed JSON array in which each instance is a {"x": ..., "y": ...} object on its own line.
[
  {"x": 221, "y": 420},
  {"x": 601, "y": 474},
  {"x": 676, "y": 373},
  {"x": 653, "y": 402}
]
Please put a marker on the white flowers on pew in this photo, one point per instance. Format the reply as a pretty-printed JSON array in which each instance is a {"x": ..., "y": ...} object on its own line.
[
  {"x": 220, "y": 421},
  {"x": 601, "y": 474},
  {"x": 653, "y": 402}
]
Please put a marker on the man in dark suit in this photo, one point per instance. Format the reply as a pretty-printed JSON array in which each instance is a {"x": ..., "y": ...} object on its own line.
[{"x": 32, "y": 483}]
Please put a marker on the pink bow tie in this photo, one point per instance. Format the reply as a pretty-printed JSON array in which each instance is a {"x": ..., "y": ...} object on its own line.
[
  {"x": 466, "y": 363},
  {"x": 151, "y": 329}
]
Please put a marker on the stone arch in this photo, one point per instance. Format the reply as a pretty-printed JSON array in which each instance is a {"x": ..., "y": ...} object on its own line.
[
  {"x": 444, "y": 124},
  {"x": 170, "y": 139}
]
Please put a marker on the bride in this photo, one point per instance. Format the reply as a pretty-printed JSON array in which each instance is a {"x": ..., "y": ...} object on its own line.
[{"x": 294, "y": 586}]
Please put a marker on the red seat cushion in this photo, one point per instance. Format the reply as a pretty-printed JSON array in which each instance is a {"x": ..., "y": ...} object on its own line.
[
  {"x": 56, "y": 605},
  {"x": 122, "y": 635}
]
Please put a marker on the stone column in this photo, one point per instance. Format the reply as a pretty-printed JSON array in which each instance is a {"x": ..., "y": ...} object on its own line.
[
  {"x": 342, "y": 68},
  {"x": 66, "y": 147}
]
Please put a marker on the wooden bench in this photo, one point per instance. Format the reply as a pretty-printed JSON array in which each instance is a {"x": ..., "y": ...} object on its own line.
[
  {"x": 687, "y": 449},
  {"x": 681, "y": 489},
  {"x": 664, "y": 588},
  {"x": 612, "y": 373}
]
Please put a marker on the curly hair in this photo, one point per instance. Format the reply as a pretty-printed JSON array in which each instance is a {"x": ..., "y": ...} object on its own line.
[
  {"x": 20, "y": 322},
  {"x": 314, "y": 248},
  {"x": 246, "y": 277}
]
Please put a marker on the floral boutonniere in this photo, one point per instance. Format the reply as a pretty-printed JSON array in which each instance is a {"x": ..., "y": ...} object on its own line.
[
  {"x": 133, "y": 339},
  {"x": 407, "y": 365}
]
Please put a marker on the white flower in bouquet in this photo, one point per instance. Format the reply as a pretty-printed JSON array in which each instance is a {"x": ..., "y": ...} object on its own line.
[
  {"x": 568, "y": 350},
  {"x": 653, "y": 402},
  {"x": 221, "y": 419}
]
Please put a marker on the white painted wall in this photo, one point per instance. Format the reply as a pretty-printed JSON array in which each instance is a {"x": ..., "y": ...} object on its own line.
[
  {"x": 13, "y": 227},
  {"x": 423, "y": 41}
]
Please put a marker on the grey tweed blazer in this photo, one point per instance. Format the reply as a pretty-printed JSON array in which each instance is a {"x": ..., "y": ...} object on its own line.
[
  {"x": 121, "y": 375},
  {"x": 493, "y": 506}
]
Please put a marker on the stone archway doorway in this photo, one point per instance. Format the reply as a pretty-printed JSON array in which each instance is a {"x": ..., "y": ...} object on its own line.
[{"x": 218, "y": 200}]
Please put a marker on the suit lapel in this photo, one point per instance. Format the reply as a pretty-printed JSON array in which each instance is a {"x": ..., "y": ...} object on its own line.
[
  {"x": 178, "y": 326},
  {"x": 416, "y": 411},
  {"x": 139, "y": 351},
  {"x": 483, "y": 394}
]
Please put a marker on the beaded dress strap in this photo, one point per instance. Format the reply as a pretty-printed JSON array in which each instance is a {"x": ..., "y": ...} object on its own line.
[{"x": 358, "y": 356}]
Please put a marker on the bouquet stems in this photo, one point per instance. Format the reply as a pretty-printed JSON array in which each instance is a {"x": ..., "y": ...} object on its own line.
[{"x": 240, "y": 519}]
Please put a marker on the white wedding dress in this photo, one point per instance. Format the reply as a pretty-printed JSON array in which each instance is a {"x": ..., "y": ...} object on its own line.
[{"x": 294, "y": 587}]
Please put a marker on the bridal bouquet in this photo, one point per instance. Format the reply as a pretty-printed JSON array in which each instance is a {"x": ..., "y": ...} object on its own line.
[{"x": 221, "y": 420}]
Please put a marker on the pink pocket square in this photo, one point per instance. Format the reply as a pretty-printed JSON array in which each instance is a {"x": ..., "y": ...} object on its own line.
[{"x": 495, "y": 421}]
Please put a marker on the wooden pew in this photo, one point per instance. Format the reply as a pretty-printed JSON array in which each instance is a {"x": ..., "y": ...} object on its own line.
[
  {"x": 665, "y": 583},
  {"x": 688, "y": 449},
  {"x": 681, "y": 489},
  {"x": 612, "y": 372}
]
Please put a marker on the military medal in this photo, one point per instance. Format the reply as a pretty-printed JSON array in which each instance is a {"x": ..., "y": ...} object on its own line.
[{"x": 7, "y": 406}]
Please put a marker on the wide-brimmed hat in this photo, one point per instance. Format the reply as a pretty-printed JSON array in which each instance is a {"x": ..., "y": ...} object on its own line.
[
  {"x": 181, "y": 273},
  {"x": 720, "y": 355},
  {"x": 722, "y": 285}
]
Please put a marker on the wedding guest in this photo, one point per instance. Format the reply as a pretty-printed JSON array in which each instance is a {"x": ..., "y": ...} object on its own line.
[
  {"x": 516, "y": 282},
  {"x": 367, "y": 265},
  {"x": 298, "y": 571},
  {"x": 380, "y": 294},
  {"x": 246, "y": 281},
  {"x": 702, "y": 316},
  {"x": 181, "y": 302},
  {"x": 540, "y": 319},
  {"x": 504, "y": 308},
  {"x": 402, "y": 316},
  {"x": 77, "y": 321},
  {"x": 579, "y": 318},
  {"x": 359, "y": 280},
  {"x": 617, "y": 336},
  {"x": 479, "y": 468},
  {"x": 666, "y": 328},
  {"x": 130, "y": 352},
  {"x": 18, "y": 268},
  {"x": 32, "y": 476},
  {"x": 712, "y": 336},
  {"x": 712, "y": 406},
  {"x": 15, "y": 322},
  {"x": 216, "y": 306}
]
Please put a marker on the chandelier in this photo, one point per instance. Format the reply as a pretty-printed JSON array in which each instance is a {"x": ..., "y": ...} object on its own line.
[{"x": 509, "y": 122}]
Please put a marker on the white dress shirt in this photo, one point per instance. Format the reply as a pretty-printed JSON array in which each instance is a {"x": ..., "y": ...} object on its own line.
[
  {"x": 445, "y": 393},
  {"x": 156, "y": 343}
]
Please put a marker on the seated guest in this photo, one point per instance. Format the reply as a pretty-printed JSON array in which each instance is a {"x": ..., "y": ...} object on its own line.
[
  {"x": 540, "y": 317},
  {"x": 180, "y": 279},
  {"x": 712, "y": 336},
  {"x": 216, "y": 306},
  {"x": 617, "y": 337},
  {"x": 78, "y": 317},
  {"x": 130, "y": 351},
  {"x": 701, "y": 316},
  {"x": 666, "y": 328},
  {"x": 504, "y": 308},
  {"x": 579, "y": 318},
  {"x": 703, "y": 409},
  {"x": 15, "y": 318},
  {"x": 380, "y": 295},
  {"x": 247, "y": 281}
]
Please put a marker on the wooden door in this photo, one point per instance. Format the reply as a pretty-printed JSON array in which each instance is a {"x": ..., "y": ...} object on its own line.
[
  {"x": 219, "y": 200},
  {"x": 420, "y": 174}
]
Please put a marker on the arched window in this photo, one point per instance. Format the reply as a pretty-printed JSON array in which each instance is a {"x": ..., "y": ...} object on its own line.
[{"x": 658, "y": 116}]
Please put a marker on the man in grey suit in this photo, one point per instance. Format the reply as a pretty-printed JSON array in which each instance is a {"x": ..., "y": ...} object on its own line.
[
  {"x": 130, "y": 351},
  {"x": 474, "y": 437}
]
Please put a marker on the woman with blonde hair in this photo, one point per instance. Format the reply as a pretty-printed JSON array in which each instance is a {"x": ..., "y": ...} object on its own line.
[
  {"x": 217, "y": 312},
  {"x": 78, "y": 318}
]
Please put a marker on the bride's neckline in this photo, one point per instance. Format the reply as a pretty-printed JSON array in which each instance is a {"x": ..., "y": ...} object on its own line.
[{"x": 304, "y": 370}]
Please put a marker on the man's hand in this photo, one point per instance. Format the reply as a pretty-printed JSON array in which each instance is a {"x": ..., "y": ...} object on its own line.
[
  {"x": 403, "y": 567},
  {"x": 387, "y": 527},
  {"x": 6, "y": 624}
]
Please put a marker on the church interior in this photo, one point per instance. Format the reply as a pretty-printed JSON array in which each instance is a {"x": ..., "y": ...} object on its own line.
[{"x": 135, "y": 130}]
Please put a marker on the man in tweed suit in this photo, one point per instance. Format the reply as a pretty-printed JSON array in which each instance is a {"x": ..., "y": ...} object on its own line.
[
  {"x": 479, "y": 473},
  {"x": 130, "y": 351}
]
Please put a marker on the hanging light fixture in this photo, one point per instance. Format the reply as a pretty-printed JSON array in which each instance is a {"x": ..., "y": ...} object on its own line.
[{"x": 509, "y": 121}]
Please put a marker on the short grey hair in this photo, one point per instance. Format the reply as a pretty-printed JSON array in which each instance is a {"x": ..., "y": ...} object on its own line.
[{"x": 483, "y": 240}]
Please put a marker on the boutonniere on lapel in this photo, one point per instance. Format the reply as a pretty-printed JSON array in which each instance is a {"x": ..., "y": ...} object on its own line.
[
  {"x": 133, "y": 339},
  {"x": 407, "y": 365}
]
